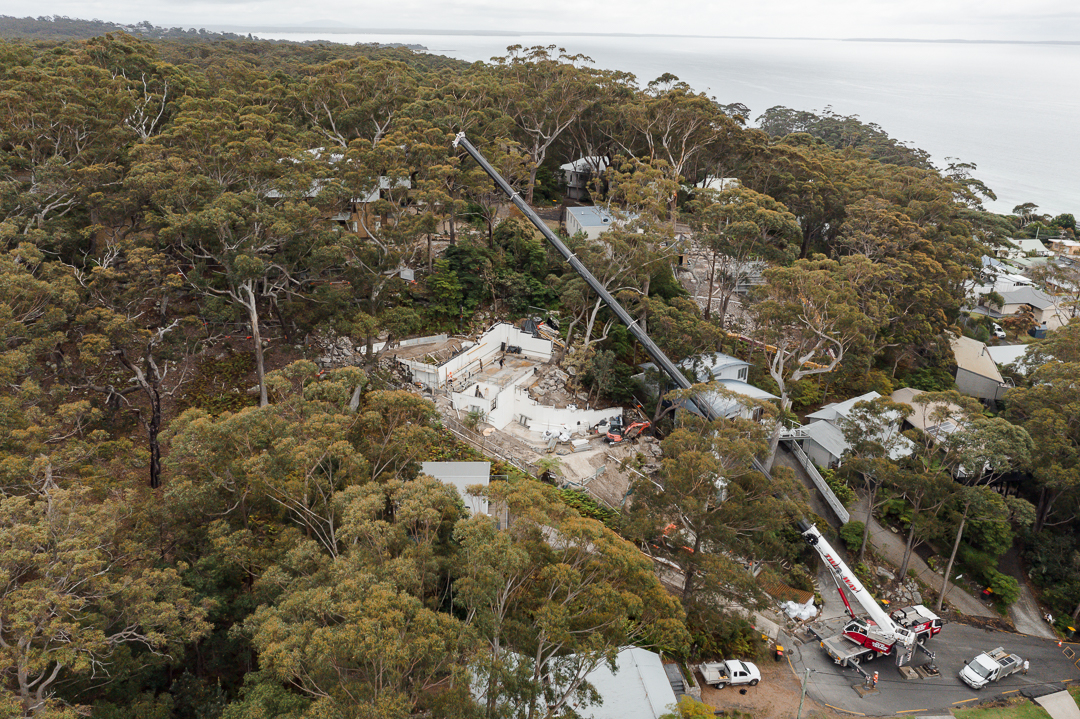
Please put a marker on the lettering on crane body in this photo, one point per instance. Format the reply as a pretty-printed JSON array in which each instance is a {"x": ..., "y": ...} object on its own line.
[{"x": 836, "y": 565}]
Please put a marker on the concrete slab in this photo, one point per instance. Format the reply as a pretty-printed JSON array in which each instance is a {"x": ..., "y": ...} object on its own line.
[{"x": 1060, "y": 705}]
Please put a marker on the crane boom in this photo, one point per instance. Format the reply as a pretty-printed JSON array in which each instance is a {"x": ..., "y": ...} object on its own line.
[
  {"x": 639, "y": 334},
  {"x": 846, "y": 578}
]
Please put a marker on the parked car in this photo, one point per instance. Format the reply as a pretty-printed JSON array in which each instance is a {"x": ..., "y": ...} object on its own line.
[
  {"x": 998, "y": 332},
  {"x": 733, "y": 671}
]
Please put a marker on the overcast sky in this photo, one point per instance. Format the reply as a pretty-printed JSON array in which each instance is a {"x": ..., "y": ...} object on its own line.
[{"x": 924, "y": 19}]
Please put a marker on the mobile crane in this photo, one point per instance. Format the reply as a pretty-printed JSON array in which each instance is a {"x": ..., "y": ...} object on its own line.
[{"x": 864, "y": 638}]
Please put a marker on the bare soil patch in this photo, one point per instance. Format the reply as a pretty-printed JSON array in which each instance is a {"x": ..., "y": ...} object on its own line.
[{"x": 776, "y": 696}]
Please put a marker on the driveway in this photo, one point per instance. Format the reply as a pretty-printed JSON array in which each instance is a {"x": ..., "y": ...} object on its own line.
[{"x": 1026, "y": 614}]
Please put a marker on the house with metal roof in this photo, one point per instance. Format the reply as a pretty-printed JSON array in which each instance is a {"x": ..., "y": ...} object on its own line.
[
  {"x": 461, "y": 476},
  {"x": 977, "y": 374},
  {"x": 1014, "y": 248},
  {"x": 729, "y": 373},
  {"x": 938, "y": 420},
  {"x": 579, "y": 173},
  {"x": 638, "y": 688},
  {"x": 590, "y": 221},
  {"x": 823, "y": 437},
  {"x": 1046, "y": 309}
]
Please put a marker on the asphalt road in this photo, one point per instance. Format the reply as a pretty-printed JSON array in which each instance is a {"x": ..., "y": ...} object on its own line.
[{"x": 833, "y": 685}]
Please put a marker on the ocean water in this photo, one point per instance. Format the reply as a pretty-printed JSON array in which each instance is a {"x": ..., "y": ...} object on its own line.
[{"x": 1011, "y": 109}]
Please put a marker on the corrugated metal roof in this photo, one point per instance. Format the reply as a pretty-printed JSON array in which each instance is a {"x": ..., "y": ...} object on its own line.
[
  {"x": 830, "y": 412},
  {"x": 637, "y": 689},
  {"x": 971, "y": 355}
]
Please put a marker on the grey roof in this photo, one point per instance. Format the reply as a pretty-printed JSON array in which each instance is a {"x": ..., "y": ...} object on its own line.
[
  {"x": 828, "y": 436},
  {"x": 746, "y": 389},
  {"x": 1009, "y": 354},
  {"x": 637, "y": 689},
  {"x": 586, "y": 164},
  {"x": 1028, "y": 296},
  {"x": 591, "y": 216},
  {"x": 708, "y": 366},
  {"x": 831, "y": 438},
  {"x": 831, "y": 412},
  {"x": 461, "y": 475}
]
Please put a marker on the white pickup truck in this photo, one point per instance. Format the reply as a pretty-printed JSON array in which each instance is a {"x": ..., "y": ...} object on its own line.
[
  {"x": 733, "y": 671},
  {"x": 990, "y": 667}
]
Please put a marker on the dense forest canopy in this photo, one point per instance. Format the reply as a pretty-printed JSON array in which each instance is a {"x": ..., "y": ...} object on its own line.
[{"x": 199, "y": 521}]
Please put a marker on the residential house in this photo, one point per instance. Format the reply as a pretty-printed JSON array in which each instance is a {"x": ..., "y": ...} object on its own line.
[
  {"x": 1014, "y": 248},
  {"x": 579, "y": 173},
  {"x": 357, "y": 214},
  {"x": 720, "y": 183},
  {"x": 638, "y": 688},
  {"x": 938, "y": 419},
  {"x": 1065, "y": 246},
  {"x": 996, "y": 276},
  {"x": 822, "y": 438},
  {"x": 1046, "y": 309},
  {"x": 977, "y": 374},
  {"x": 728, "y": 372},
  {"x": 592, "y": 221},
  {"x": 1015, "y": 355}
]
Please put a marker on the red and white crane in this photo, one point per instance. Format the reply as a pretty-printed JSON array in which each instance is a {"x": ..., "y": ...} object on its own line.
[{"x": 878, "y": 633}]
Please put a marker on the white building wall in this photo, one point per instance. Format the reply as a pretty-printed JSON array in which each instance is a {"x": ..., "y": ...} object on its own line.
[{"x": 467, "y": 363}]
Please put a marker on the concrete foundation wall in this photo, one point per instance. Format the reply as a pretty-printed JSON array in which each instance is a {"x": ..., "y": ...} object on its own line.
[{"x": 488, "y": 349}]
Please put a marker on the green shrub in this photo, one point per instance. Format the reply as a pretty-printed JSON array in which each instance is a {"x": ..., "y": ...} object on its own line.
[
  {"x": 851, "y": 535},
  {"x": 930, "y": 379},
  {"x": 586, "y": 506},
  {"x": 1006, "y": 589},
  {"x": 839, "y": 487},
  {"x": 717, "y": 634},
  {"x": 897, "y": 509}
]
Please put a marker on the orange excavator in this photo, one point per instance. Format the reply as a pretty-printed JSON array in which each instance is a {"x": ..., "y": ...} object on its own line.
[{"x": 620, "y": 431}]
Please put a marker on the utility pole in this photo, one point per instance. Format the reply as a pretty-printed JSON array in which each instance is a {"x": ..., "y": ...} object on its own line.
[{"x": 802, "y": 695}]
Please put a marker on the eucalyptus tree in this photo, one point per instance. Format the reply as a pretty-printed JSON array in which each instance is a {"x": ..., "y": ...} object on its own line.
[
  {"x": 130, "y": 343},
  {"x": 545, "y": 91},
  {"x": 808, "y": 318},
  {"x": 79, "y": 591},
  {"x": 873, "y": 431},
  {"x": 236, "y": 196},
  {"x": 63, "y": 134},
  {"x": 984, "y": 449},
  {"x": 626, "y": 255},
  {"x": 675, "y": 125},
  {"x": 552, "y": 597},
  {"x": 1050, "y": 409},
  {"x": 346, "y": 101},
  {"x": 736, "y": 231}
]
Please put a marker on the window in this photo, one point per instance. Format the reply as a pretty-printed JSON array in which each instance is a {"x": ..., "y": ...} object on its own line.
[
  {"x": 495, "y": 403},
  {"x": 742, "y": 374}
]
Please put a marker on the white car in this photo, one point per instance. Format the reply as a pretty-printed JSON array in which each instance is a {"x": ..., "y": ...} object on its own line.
[
  {"x": 733, "y": 671},
  {"x": 998, "y": 332}
]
